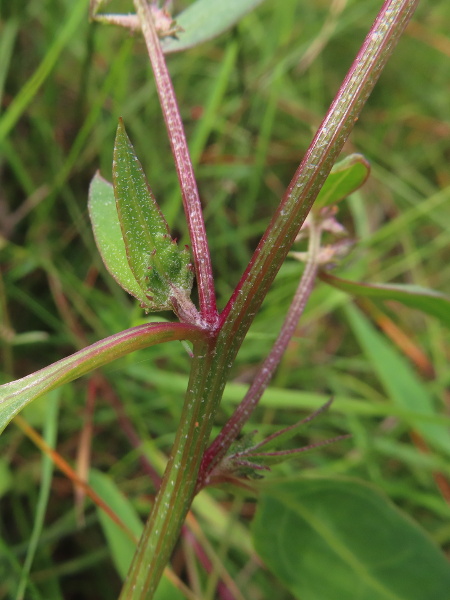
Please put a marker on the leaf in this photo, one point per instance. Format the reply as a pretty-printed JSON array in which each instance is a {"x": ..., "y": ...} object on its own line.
[
  {"x": 345, "y": 178},
  {"x": 333, "y": 539},
  {"x": 121, "y": 546},
  {"x": 399, "y": 380},
  {"x": 280, "y": 438},
  {"x": 204, "y": 20},
  {"x": 281, "y": 398},
  {"x": 17, "y": 394},
  {"x": 161, "y": 270},
  {"x": 428, "y": 301},
  {"x": 108, "y": 236}
]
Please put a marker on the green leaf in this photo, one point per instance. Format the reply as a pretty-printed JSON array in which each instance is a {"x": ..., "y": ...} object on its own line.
[
  {"x": 428, "y": 301},
  {"x": 204, "y": 20},
  {"x": 345, "y": 178},
  {"x": 331, "y": 539},
  {"x": 121, "y": 546},
  {"x": 108, "y": 236},
  {"x": 399, "y": 380},
  {"x": 17, "y": 394},
  {"x": 161, "y": 270}
]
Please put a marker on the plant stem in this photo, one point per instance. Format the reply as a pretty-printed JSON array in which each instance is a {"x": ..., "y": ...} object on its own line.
[
  {"x": 180, "y": 151},
  {"x": 214, "y": 357},
  {"x": 317, "y": 163},
  {"x": 178, "y": 486},
  {"x": 231, "y": 429}
]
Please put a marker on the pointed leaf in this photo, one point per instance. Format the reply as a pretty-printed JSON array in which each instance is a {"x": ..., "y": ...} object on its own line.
[
  {"x": 204, "y": 20},
  {"x": 280, "y": 456},
  {"x": 121, "y": 546},
  {"x": 333, "y": 539},
  {"x": 428, "y": 301},
  {"x": 345, "y": 178},
  {"x": 160, "y": 268},
  {"x": 404, "y": 388},
  {"x": 279, "y": 438},
  {"x": 108, "y": 236},
  {"x": 17, "y": 394}
]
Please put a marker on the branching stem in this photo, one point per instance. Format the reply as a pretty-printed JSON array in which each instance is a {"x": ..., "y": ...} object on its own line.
[
  {"x": 180, "y": 151},
  {"x": 214, "y": 356},
  {"x": 231, "y": 429}
]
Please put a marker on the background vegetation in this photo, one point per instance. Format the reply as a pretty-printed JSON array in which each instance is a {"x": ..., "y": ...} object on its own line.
[{"x": 251, "y": 101}]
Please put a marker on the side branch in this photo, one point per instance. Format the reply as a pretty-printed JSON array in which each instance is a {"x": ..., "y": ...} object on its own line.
[{"x": 191, "y": 199}]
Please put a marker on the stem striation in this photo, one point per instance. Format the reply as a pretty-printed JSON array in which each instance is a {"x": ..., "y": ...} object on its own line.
[
  {"x": 214, "y": 356},
  {"x": 231, "y": 429},
  {"x": 180, "y": 151},
  {"x": 317, "y": 163}
]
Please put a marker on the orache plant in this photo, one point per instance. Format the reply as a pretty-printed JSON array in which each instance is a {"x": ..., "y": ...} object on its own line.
[{"x": 137, "y": 248}]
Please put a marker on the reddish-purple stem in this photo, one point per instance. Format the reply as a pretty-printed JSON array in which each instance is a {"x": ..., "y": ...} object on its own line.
[
  {"x": 231, "y": 429},
  {"x": 323, "y": 150},
  {"x": 180, "y": 151}
]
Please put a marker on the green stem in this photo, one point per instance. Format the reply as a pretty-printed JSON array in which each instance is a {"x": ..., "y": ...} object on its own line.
[
  {"x": 210, "y": 367},
  {"x": 317, "y": 163},
  {"x": 174, "y": 498},
  {"x": 219, "y": 448},
  {"x": 214, "y": 357}
]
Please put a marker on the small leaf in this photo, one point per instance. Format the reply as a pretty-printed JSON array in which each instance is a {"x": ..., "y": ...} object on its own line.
[
  {"x": 161, "y": 270},
  {"x": 108, "y": 236},
  {"x": 280, "y": 456},
  {"x": 428, "y": 301},
  {"x": 345, "y": 178},
  {"x": 17, "y": 394},
  {"x": 279, "y": 438},
  {"x": 204, "y": 20},
  {"x": 333, "y": 539}
]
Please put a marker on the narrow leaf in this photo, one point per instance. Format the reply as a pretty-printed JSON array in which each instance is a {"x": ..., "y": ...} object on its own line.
[
  {"x": 161, "y": 270},
  {"x": 333, "y": 539},
  {"x": 204, "y": 20},
  {"x": 402, "y": 385},
  {"x": 345, "y": 177},
  {"x": 428, "y": 301},
  {"x": 121, "y": 546},
  {"x": 108, "y": 236},
  {"x": 17, "y": 394},
  {"x": 279, "y": 438},
  {"x": 280, "y": 456}
]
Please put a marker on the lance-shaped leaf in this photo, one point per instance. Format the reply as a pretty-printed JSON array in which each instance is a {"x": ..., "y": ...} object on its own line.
[
  {"x": 108, "y": 236},
  {"x": 245, "y": 455},
  {"x": 17, "y": 394},
  {"x": 345, "y": 178},
  {"x": 428, "y": 301},
  {"x": 400, "y": 381},
  {"x": 162, "y": 271}
]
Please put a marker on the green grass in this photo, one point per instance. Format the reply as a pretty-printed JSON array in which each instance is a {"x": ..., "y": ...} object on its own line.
[{"x": 250, "y": 104}]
